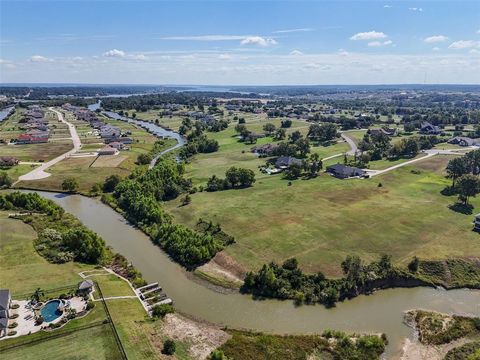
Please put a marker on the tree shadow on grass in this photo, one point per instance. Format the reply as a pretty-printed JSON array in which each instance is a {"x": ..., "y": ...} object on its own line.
[
  {"x": 448, "y": 191},
  {"x": 461, "y": 208}
]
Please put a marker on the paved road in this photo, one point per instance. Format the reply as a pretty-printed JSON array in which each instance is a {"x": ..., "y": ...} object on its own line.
[
  {"x": 428, "y": 154},
  {"x": 39, "y": 172},
  {"x": 351, "y": 143}
]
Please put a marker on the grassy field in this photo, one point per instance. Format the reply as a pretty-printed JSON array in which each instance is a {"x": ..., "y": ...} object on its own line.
[
  {"x": 22, "y": 270},
  {"x": 322, "y": 220}
]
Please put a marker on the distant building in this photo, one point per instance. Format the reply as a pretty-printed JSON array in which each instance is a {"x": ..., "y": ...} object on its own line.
[
  {"x": 266, "y": 149},
  {"x": 476, "y": 223},
  {"x": 343, "y": 171},
  {"x": 108, "y": 150},
  {"x": 284, "y": 162},
  {"x": 85, "y": 287},
  {"x": 5, "y": 302},
  {"x": 385, "y": 130},
  {"x": 8, "y": 161},
  {"x": 429, "y": 129},
  {"x": 463, "y": 141}
]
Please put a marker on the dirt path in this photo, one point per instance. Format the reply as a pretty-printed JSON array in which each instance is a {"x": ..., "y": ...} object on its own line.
[{"x": 39, "y": 172}]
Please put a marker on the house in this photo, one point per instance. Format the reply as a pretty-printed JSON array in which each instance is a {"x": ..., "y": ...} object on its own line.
[
  {"x": 266, "y": 149},
  {"x": 385, "y": 130},
  {"x": 85, "y": 287},
  {"x": 429, "y": 129},
  {"x": 108, "y": 150},
  {"x": 284, "y": 162},
  {"x": 116, "y": 145},
  {"x": 5, "y": 302},
  {"x": 32, "y": 138},
  {"x": 8, "y": 161},
  {"x": 476, "y": 223},
  {"x": 109, "y": 131},
  {"x": 343, "y": 171},
  {"x": 463, "y": 141}
]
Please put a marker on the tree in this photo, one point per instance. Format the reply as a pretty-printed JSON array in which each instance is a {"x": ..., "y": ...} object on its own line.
[
  {"x": 413, "y": 265},
  {"x": 295, "y": 136},
  {"x": 5, "y": 180},
  {"x": 246, "y": 177},
  {"x": 159, "y": 311},
  {"x": 269, "y": 128},
  {"x": 111, "y": 183},
  {"x": 70, "y": 184},
  {"x": 217, "y": 355},
  {"x": 186, "y": 200},
  {"x": 144, "y": 159},
  {"x": 169, "y": 347},
  {"x": 232, "y": 176},
  {"x": 303, "y": 146},
  {"x": 86, "y": 245},
  {"x": 293, "y": 172},
  {"x": 456, "y": 168},
  {"x": 467, "y": 186},
  {"x": 240, "y": 128},
  {"x": 37, "y": 295},
  {"x": 96, "y": 189},
  {"x": 280, "y": 134},
  {"x": 286, "y": 123}
]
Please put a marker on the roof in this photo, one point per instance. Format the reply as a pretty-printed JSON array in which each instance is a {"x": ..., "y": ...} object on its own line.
[
  {"x": 3, "y": 323},
  {"x": 345, "y": 171},
  {"x": 287, "y": 161},
  {"x": 85, "y": 284},
  {"x": 4, "y": 299}
]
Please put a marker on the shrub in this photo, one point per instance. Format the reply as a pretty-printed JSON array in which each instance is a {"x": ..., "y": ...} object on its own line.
[
  {"x": 13, "y": 316},
  {"x": 159, "y": 311},
  {"x": 11, "y": 333},
  {"x": 15, "y": 306},
  {"x": 217, "y": 355},
  {"x": 39, "y": 320},
  {"x": 12, "y": 325},
  {"x": 169, "y": 347},
  {"x": 90, "y": 305}
]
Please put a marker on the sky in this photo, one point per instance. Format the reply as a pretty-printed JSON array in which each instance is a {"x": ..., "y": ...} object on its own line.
[{"x": 240, "y": 42}]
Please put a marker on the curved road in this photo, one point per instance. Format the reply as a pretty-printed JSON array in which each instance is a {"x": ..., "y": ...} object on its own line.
[{"x": 39, "y": 172}]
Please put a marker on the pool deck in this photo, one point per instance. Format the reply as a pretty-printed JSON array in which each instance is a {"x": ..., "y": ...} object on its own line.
[{"x": 26, "y": 317}]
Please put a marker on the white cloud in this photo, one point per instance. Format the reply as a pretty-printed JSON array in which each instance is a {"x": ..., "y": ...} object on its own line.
[
  {"x": 225, "y": 57},
  {"x": 114, "y": 53},
  {"x": 380, "y": 43},
  {"x": 415, "y": 9},
  {"x": 207, "y": 37},
  {"x": 291, "y": 31},
  {"x": 464, "y": 44},
  {"x": 39, "y": 58},
  {"x": 296, "y": 53},
  {"x": 138, "y": 57},
  {"x": 435, "y": 39},
  {"x": 343, "y": 52},
  {"x": 369, "y": 35},
  {"x": 436, "y": 48},
  {"x": 474, "y": 51},
  {"x": 387, "y": 6},
  {"x": 258, "y": 40}
]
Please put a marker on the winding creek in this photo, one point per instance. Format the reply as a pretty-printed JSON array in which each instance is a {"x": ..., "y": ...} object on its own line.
[{"x": 380, "y": 312}]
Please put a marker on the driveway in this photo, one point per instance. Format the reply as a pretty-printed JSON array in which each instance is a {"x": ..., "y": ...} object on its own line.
[{"x": 39, "y": 172}]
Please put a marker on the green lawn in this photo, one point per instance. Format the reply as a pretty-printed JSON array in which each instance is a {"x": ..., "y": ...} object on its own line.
[
  {"x": 112, "y": 285},
  {"x": 89, "y": 344},
  {"x": 322, "y": 220},
  {"x": 21, "y": 269}
]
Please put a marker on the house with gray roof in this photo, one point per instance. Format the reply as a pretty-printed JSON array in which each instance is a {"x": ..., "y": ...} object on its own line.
[
  {"x": 343, "y": 171},
  {"x": 284, "y": 162},
  {"x": 5, "y": 301}
]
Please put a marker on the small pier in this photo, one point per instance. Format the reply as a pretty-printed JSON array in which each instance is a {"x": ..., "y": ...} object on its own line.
[{"x": 151, "y": 295}]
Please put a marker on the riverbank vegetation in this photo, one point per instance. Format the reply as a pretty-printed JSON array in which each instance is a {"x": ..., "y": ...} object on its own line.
[
  {"x": 457, "y": 337},
  {"x": 289, "y": 282},
  {"x": 333, "y": 345},
  {"x": 140, "y": 198},
  {"x": 61, "y": 237}
]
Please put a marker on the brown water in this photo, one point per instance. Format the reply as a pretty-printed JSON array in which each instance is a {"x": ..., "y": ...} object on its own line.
[{"x": 381, "y": 312}]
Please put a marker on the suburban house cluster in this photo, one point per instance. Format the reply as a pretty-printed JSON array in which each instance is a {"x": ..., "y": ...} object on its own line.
[
  {"x": 35, "y": 126},
  {"x": 112, "y": 136}
]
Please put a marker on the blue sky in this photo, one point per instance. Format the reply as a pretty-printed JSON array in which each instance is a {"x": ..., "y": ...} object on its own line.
[{"x": 234, "y": 42}]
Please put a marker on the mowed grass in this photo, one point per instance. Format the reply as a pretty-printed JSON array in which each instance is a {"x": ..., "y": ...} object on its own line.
[
  {"x": 37, "y": 152},
  {"x": 21, "y": 269},
  {"x": 89, "y": 344},
  {"x": 111, "y": 285},
  {"x": 322, "y": 220}
]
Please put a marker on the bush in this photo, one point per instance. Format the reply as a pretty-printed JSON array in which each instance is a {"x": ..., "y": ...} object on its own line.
[
  {"x": 217, "y": 355},
  {"x": 39, "y": 320},
  {"x": 169, "y": 347},
  {"x": 15, "y": 306},
  {"x": 90, "y": 305},
  {"x": 12, "y": 325},
  {"x": 144, "y": 159},
  {"x": 11, "y": 333},
  {"x": 159, "y": 311},
  {"x": 13, "y": 316}
]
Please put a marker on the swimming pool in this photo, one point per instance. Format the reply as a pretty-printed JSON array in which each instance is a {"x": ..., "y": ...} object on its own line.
[{"x": 50, "y": 311}]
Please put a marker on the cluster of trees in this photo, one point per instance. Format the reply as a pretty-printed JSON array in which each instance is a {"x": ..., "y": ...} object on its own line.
[
  {"x": 323, "y": 133},
  {"x": 464, "y": 173},
  {"x": 140, "y": 196},
  {"x": 234, "y": 178},
  {"x": 309, "y": 168},
  {"x": 289, "y": 282},
  {"x": 61, "y": 237},
  {"x": 198, "y": 142},
  {"x": 5, "y": 180}
]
